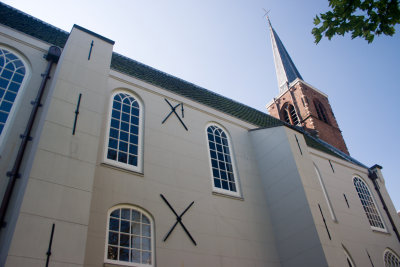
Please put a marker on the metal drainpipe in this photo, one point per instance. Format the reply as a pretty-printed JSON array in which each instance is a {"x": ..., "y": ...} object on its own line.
[
  {"x": 372, "y": 175},
  {"x": 52, "y": 57}
]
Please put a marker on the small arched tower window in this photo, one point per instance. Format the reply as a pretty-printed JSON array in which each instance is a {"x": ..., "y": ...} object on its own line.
[
  {"x": 368, "y": 204},
  {"x": 289, "y": 114},
  {"x": 321, "y": 112},
  {"x": 391, "y": 259},
  {"x": 130, "y": 237}
]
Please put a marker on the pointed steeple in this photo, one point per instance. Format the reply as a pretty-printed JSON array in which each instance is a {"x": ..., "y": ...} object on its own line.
[{"x": 286, "y": 71}]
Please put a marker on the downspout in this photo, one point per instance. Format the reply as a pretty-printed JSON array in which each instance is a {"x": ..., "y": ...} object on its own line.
[
  {"x": 372, "y": 175},
  {"x": 52, "y": 57}
]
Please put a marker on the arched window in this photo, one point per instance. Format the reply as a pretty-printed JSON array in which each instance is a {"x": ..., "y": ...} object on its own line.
[
  {"x": 368, "y": 204},
  {"x": 124, "y": 140},
  {"x": 12, "y": 74},
  {"x": 349, "y": 260},
  {"x": 289, "y": 114},
  {"x": 222, "y": 164},
  {"x": 391, "y": 259},
  {"x": 321, "y": 112},
  {"x": 130, "y": 237},
  {"x": 328, "y": 201}
]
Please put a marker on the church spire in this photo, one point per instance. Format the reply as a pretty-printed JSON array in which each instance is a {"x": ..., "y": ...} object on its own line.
[{"x": 286, "y": 71}]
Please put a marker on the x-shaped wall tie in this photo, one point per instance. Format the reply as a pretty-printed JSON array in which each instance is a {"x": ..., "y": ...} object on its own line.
[
  {"x": 178, "y": 220},
  {"x": 173, "y": 110}
]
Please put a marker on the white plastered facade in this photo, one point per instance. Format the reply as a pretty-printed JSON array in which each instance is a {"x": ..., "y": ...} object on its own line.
[{"x": 277, "y": 220}]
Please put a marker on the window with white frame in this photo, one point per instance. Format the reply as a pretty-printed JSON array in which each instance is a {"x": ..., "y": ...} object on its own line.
[
  {"x": 391, "y": 259},
  {"x": 368, "y": 204},
  {"x": 124, "y": 140},
  {"x": 12, "y": 74},
  {"x": 222, "y": 164},
  {"x": 130, "y": 237}
]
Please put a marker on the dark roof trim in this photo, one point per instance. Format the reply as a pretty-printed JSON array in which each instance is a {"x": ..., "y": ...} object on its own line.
[
  {"x": 94, "y": 34},
  {"x": 41, "y": 30}
]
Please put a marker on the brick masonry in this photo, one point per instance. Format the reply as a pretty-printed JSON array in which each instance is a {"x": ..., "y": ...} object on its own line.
[{"x": 302, "y": 97}]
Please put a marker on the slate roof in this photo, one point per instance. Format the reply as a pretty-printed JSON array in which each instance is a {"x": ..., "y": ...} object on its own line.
[{"x": 34, "y": 27}]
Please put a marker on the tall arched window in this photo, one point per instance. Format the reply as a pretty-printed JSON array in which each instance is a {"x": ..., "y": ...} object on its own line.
[
  {"x": 391, "y": 259},
  {"x": 222, "y": 164},
  {"x": 368, "y": 204},
  {"x": 130, "y": 237},
  {"x": 321, "y": 112},
  {"x": 12, "y": 74},
  {"x": 289, "y": 114},
  {"x": 124, "y": 140}
]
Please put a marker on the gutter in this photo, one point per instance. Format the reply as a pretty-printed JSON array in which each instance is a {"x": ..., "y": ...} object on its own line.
[
  {"x": 372, "y": 175},
  {"x": 52, "y": 57}
]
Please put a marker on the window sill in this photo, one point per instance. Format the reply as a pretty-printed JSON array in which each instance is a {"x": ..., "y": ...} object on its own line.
[
  {"x": 228, "y": 196},
  {"x": 381, "y": 231},
  {"x": 108, "y": 165}
]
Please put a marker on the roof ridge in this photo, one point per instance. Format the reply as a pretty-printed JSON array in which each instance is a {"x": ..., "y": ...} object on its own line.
[
  {"x": 34, "y": 18},
  {"x": 187, "y": 82}
]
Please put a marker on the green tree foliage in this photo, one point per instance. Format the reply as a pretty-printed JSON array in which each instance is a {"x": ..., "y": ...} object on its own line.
[{"x": 362, "y": 18}]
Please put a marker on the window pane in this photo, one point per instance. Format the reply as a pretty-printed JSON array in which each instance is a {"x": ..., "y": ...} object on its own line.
[
  {"x": 123, "y": 254},
  {"x": 135, "y": 216},
  {"x": 145, "y": 243},
  {"x": 122, "y": 157},
  {"x": 145, "y": 219},
  {"x": 114, "y": 224},
  {"x": 125, "y": 226},
  {"x": 113, "y": 238},
  {"x": 135, "y": 228},
  {"x": 146, "y": 230},
  {"x": 146, "y": 257},
  {"x": 136, "y": 242},
  {"x": 135, "y": 256},
  {"x": 132, "y": 160},
  {"x": 112, "y": 253},
  {"x": 124, "y": 242},
  {"x": 115, "y": 213},
  {"x": 112, "y": 154}
]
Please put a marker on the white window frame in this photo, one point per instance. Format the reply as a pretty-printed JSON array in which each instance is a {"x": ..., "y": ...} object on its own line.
[
  {"x": 384, "y": 229},
  {"x": 152, "y": 237},
  {"x": 139, "y": 167},
  {"x": 233, "y": 162},
  {"x": 388, "y": 250},
  {"x": 17, "y": 102}
]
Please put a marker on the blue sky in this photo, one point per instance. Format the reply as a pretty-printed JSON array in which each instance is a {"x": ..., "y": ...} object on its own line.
[{"x": 225, "y": 47}]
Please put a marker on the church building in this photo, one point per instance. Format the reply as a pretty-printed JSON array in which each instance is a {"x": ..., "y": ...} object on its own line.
[{"x": 108, "y": 162}]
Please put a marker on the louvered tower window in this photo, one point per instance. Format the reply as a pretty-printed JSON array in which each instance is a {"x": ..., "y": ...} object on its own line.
[
  {"x": 368, "y": 204},
  {"x": 321, "y": 112},
  {"x": 289, "y": 114}
]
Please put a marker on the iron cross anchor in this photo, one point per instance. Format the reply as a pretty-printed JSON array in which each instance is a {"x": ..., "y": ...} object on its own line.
[
  {"x": 178, "y": 220},
  {"x": 173, "y": 110}
]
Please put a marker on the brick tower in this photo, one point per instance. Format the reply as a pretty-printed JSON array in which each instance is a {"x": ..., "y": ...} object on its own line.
[{"x": 299, "y": 103}]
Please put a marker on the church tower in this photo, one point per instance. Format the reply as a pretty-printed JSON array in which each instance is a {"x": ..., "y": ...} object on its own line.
[{"x": 299, "y": 103}]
